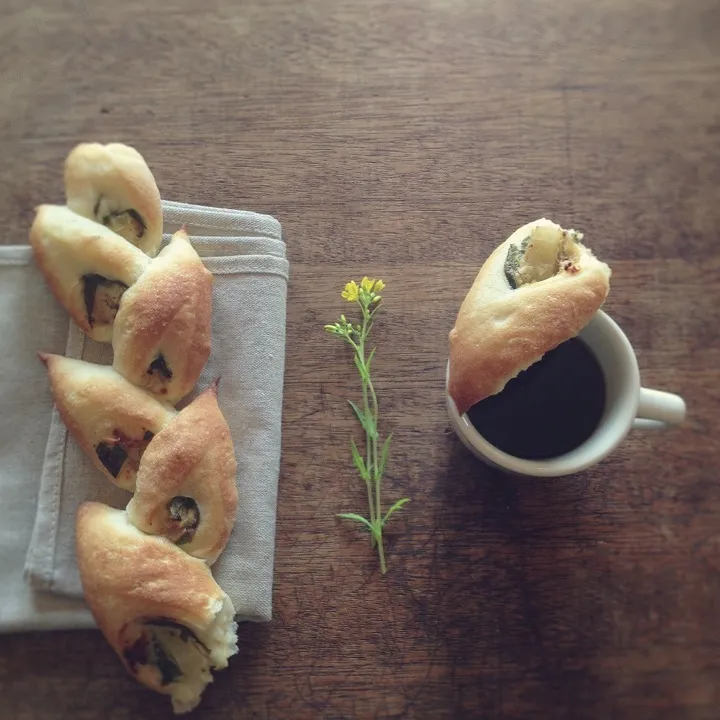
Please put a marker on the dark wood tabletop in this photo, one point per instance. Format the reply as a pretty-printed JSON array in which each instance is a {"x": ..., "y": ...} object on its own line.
[{"x": 405, "y": 139}]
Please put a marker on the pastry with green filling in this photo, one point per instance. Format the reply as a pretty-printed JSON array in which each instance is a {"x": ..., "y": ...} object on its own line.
[
  {"x": 186, "y": 483},
  {"x": 87, "y": 267},
  {"x": 161, "y": 336},
  {"x": 112, "y": 185},
  {"x": 111, "y": 419},
  {"x": 537, "y": 289},
  {"x": 159, "y": 608}
]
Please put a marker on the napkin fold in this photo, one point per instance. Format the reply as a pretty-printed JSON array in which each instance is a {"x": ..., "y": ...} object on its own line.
[{"x": 44, "y": 475}]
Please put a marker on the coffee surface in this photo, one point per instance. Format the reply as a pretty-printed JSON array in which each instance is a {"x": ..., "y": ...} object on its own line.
[{"x": 549, "y": 409}]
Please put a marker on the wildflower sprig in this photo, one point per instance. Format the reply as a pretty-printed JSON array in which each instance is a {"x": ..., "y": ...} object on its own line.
[{"x": 371, "y": 464}]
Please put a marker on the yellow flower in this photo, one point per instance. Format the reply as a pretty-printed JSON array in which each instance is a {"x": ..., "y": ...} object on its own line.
[
  {"x": 372, "y": 285},
  {"x": 351, "y": 291}
]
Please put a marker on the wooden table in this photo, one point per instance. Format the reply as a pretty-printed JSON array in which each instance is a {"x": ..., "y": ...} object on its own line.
[{"x": 403, "y": 140}]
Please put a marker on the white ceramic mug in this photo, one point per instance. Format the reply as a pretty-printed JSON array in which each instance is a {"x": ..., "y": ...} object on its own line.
[{"x": 627, "y": 405}]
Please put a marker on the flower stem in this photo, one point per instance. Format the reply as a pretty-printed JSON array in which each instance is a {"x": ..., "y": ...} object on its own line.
[
  {"x": 376, "y": 468},
  {"x": 381, "y": 552},
  {"x": 371, "y": 406},
  {"x": 360, "y": 350}
]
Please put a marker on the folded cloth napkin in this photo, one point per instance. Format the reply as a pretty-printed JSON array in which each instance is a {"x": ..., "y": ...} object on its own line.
[{"x": 44, "y": 476}]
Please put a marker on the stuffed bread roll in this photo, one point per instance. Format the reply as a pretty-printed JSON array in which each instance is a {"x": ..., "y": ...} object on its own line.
[
  {"x": 186, "y": 485},
  {"x": 113, "y": 185},
  {"x": 536, "y": 290},
  {"x": 112, "y": 420},
  {"x": 87, "y": 267},
  {"x": 161, "y": 338},
  {"x": 160, "y": 609}
]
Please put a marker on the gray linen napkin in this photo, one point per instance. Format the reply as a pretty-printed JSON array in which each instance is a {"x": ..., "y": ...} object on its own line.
[{"x": 245, "y": 253}]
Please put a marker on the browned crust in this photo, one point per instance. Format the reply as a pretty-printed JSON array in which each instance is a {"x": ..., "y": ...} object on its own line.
[
  {"x": 67, "y": 246},
  {"x": 167, "y": 311},
  {"x": 127, "y": 575},
  {"x": 496, "y": 337},
  {"x": 119, "y": 172},
  {"x": 94, "y": 402},
  {"x": 193, "y": 456}
]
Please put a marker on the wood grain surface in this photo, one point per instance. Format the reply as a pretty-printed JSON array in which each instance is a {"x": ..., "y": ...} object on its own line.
[{"x": 403, "y": 139}]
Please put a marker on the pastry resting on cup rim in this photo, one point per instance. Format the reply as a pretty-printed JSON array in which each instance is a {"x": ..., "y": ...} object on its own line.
[{"x": 537, "y": 289}]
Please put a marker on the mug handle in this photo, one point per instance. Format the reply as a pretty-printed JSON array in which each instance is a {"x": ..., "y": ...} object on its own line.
[{"x": 658, "y": 410}]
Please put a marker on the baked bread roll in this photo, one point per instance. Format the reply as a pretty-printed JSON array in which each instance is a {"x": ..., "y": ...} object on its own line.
[
  {"x": 161, "y": 338},
  {"x": 112, "y": 420},
  {"x": 87, "y": 267},
  {"x": 157, "y": 605},
  {"x": 156, "y": 312},
  {"x": 185, "y": 487},
  {"x": 160, "y": 609},
  {"x": 536, "y": 290},
  {"x": 113, "y": 185}
]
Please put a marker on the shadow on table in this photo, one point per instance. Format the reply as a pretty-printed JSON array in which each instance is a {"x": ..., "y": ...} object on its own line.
[{"x": 515, "y": 579}]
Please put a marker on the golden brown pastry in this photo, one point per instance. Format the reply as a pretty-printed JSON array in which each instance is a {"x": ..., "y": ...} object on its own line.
[
  {"x": 87, "y": 267},
  {"x": 537, "y": 289},
  {"x": 159, "y": 608},
  {"x": 112, "y": 420},
  {"x": 156, "y": 312},
  {"x": 161, "y": 338},
  {"x": 150, "y": 592},
  {"x": 185, "y": 487},
  {"x": 113, "y": 185}
]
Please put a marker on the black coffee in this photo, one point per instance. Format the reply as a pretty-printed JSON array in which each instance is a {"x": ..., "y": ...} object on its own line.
[{"x": 549, "y": 409}]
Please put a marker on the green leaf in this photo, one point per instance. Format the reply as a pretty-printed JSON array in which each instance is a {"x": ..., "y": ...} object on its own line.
[
  {"x": 358, "y": 518},
  {"x": 396, "y": 506},
  {"x": 360, "y": 414},
  {"x": 384, "y": 454},
  {"x": 367, "y": 421},
  {"x": 369, "y": 360},
  {"x": 359, "y": 462}
]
